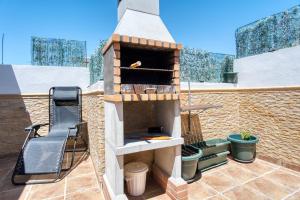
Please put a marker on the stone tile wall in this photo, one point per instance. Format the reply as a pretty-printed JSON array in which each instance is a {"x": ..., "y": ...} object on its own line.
[
  {"x": 93, "y": 114},
  {"x": 215, "y": 122},
  {"x": 273, "y": 114},
  {"x": 16, "y": 113}
]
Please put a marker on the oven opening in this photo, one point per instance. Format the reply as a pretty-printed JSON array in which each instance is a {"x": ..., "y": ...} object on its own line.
[{"x": 156, "y": 66}]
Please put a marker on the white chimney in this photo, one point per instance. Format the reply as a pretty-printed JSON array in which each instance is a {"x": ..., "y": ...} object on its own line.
[
  {"x": 140, "y": 18},
  {"x": 146, "y": 6}
]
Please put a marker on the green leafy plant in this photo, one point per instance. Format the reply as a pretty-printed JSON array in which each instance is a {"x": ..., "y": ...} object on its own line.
[{"x": 245, "y": 135}]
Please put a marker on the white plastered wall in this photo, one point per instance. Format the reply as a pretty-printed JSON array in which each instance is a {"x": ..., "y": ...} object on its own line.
[
  {"x": 19, "y": 79},
  {"x": 274, "y": 69}
]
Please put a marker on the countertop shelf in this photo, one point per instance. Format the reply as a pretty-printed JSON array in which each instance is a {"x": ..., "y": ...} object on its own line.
[
  {"x": 137, "y": 145},
  {"x": 199, "y": 107},
  {"x": 147, "y": 69}
]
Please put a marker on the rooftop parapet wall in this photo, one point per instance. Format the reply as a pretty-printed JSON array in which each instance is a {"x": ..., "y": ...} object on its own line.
[
  {"x": 272, "y": 69},
  {"x": 275, "y": 32},
  {"x": 18, "y": 79},
  {"x": 271, "y": 113}
]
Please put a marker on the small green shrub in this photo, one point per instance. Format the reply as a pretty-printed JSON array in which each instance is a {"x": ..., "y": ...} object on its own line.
[{"x": 245, "y": 135}]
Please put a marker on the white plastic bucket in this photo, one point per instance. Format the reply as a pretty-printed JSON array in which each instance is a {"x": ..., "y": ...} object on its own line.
[{"x": 135, "y": 176}]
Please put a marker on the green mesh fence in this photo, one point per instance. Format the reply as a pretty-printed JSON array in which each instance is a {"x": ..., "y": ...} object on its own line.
[
  {"x": 204, "y": 66},
  {"x": 96, "y": 64},
  {"x": 58, "y": 52},
  {"x": 275, "y": 32}
]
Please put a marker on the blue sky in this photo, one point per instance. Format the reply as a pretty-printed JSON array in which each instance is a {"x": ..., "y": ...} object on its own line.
[{"x": 205, "y": 24}]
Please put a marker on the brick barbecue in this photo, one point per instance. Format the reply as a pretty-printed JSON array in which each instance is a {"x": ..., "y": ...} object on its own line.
[
  {"x": 141, "y": 87},
  {"x": 159, "y": 70}
]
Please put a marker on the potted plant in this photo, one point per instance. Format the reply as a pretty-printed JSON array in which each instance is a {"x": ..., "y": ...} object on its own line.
[{"x": 243, "y": 146}]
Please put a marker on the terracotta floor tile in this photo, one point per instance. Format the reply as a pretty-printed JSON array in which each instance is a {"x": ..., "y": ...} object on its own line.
[
  {"x": 217, "y": 169},
  {"x": 287, "y": 179},
  {"x": 17, "y": 194},
  {"x": 57, "y": 198},
  {"x": 275, "y": 166},
  {"x": 232, "y": 162},
  {"x": 153, "y": 191},
  {"x": 65, "y": 162},
  {"x": 3, "y": 173},
  {"x": 238, "y": 173},
  {"x": 157, "y": 196},
  {"x": 135, "y": 198},
  {"x": 242, "y": 192},
  {"x": 296, "y": 173},
  {"x": 152, "y": 188},
  {"x": 6, "y": 184},
  {"x": 78, "y": 181},
  {"x": 81, "y": 183},
  {"x": 79, "y": 156},
  {"x": 93, "y": 194},
  {"x": 295, "y": 196},
  {"x": 160, "y": 197},
  {"x": 7, "y": 163},
  {"x": 269, "y": 188},
  {"x": 217, "y": 197},
  {"x": 82, "y": 169},
  {"x": 257, "y": 167},
  {"x": 218, "y": 181},
  {"x": 199, "y": 190},
  {"x": 49, "y": 190}
]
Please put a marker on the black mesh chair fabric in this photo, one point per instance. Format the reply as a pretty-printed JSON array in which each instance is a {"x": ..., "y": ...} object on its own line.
[
  {"x": 65, "y": 94},
  {"x": 45, "y": 154},
  {"x": 63, "y": 130},
  {"x": 65, "y": 112}
]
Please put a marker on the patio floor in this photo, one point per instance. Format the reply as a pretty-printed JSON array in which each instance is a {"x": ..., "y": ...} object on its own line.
[
  {"x": 80, "y": 183},
  {"x": 258, "y": 180}
]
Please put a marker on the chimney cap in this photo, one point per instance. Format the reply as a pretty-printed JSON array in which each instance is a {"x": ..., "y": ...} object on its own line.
[{"x": 145, "y": 6}]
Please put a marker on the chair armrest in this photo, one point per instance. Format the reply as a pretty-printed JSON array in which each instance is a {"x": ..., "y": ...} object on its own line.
[
  {"x": 78, "y": 126},
  {"x": 35, "y": 127}
]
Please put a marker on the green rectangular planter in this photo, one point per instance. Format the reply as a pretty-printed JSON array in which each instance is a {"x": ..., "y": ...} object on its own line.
[
  {"x": 212, "y": 146},
  {"x": 212, "y": 161}
]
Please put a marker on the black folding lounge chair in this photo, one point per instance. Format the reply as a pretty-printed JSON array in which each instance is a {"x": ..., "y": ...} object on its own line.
[{"x": 45, "y": 154}]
